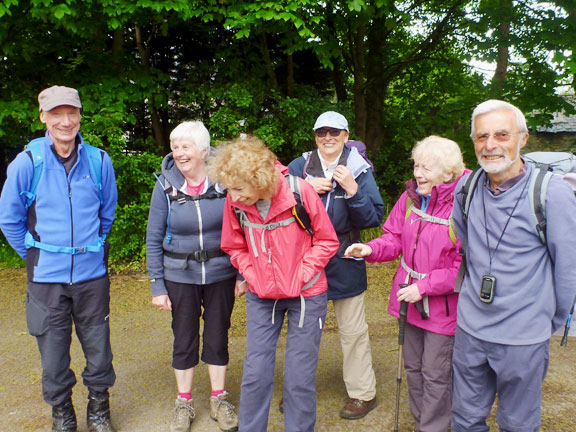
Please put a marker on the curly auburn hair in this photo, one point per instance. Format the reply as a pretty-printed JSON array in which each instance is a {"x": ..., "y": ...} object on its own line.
[{"x": 244, "y": 160}]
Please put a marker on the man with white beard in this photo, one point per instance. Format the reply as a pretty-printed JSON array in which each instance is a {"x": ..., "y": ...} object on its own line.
[{"x": 517, "y": 290}]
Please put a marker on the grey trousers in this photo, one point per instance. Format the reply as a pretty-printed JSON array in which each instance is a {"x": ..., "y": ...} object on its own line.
[
  {"x": 300, "y": 362},
  {"x": 483, "y": 369},
  {"x": 50, "y": 311},
  {"x": 428, "y": 364}
]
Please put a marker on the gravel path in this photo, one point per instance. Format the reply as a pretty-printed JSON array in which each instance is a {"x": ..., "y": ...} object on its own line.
[{"x": 145, "y": 390}]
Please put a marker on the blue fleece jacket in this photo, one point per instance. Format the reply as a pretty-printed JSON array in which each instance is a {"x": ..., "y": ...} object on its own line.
[
  {"x": 535, "y": 286},
  {"x": 349, "y": 215},
  {"x": 67, "y": 212}
]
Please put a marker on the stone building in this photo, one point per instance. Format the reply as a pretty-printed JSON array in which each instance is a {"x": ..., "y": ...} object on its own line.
[{"x": 559, "y": 136}]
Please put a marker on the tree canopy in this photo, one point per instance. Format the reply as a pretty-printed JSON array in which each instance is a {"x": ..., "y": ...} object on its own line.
[{"x": 398, "y": 70}]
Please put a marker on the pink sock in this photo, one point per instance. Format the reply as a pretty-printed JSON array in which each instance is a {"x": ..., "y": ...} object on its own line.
[
  {"x": 217, "y": 393},
  {"x": 185, "y": 395}
]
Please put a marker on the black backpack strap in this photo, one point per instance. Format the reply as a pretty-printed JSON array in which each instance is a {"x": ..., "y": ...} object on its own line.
[
  {"x": 201, "y": 255},
  {"x": 182, "y": 197},
  {"x": 299, "y": 211},
  {"x": 467, "y": 193}
]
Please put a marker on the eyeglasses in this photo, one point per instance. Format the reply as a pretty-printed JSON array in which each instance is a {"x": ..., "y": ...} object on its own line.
[
  {"x": 321, "y": 133},
  {"x": 500, "y": 137}
]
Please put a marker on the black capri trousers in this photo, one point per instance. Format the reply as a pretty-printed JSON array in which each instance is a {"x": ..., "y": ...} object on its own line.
[{"x": 214, "y": 303}]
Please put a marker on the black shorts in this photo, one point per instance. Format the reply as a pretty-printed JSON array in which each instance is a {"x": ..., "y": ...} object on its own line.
[{"x": 214, "y": 303}]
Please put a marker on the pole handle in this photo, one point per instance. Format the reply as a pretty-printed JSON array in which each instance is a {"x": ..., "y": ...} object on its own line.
[{"x": 402, "y": 318}]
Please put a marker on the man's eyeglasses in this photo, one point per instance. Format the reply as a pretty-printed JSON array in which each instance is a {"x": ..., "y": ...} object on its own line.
[
  {"x": 500, "y": 137},
  {"x": 321, "y": 133}
]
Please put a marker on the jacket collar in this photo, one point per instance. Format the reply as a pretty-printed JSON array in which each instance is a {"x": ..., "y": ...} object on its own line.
[
  {"x": 349, "y": 157},
  {"x": 282, "y": 200},
  {"x": 176, "y": 179},
  {"x": 440, "y": 193}
]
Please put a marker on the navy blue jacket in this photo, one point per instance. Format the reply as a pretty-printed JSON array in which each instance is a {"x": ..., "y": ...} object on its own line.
[
  {"x": 349, "y": 215},
  {"x": 194, "y": 225}
]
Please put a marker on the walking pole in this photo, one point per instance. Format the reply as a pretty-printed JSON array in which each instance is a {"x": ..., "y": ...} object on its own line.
[
  {"x": 567, "y": 328},
  {"x": 401, "y": 327}
]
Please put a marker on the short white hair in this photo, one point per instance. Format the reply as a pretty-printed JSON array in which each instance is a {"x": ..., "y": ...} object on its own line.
[
  {"x": 446, "y": 153},
  {"x": 498, "y": 105},
  {"x": 192, "y": 130}
]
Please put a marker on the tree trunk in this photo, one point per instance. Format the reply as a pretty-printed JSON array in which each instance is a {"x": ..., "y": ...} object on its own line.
[
  {"x": 157, "y": 125},
  {"x": 117, "y": 43},
  {"x": 503, "y": 33},
  {"x": 290, "y": 75},
  {"x": 357, "y": 54},
  {"x": 572, "y": 15},
  {"x": 338, "y": 78},
  {"x": 268, "y": 61},
  {"x": 376, "y": 86}
]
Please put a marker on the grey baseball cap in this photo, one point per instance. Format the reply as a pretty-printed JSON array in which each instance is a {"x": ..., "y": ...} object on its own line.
[
  {"x": 54, "y": 96},
  {"x": 331, "y": 119}
]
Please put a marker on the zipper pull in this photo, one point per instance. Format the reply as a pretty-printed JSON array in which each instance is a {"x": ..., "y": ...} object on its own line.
[{"x": 269, "y": 256}]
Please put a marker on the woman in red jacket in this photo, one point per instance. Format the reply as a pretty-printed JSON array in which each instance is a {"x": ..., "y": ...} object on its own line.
[{"x": 283, "y": 265}]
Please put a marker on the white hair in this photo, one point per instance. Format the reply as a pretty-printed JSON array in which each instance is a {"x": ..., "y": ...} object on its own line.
[
  {"x": 443, "y": 151},
  {"x": 498, "y": 105},
  {"x": 194, "y": 131}
]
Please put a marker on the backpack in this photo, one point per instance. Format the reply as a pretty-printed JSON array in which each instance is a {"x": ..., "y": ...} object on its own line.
[
  {"x": 301, "y": 217},
  {"x": 546, "y": 165},
  {"x": 299, "y": 213},
  {"x": 361, "y": 147},
  {"x": 429, "y": 218},
  {"x": 35, "y": 150},
  {"x": 173, "y": 194}
]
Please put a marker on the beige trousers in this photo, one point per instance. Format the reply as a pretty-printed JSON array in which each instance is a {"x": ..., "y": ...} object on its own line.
[{"x": 357, "y": 370}]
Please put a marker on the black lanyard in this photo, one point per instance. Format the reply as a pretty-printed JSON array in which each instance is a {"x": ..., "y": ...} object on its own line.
[{"x": 492, "y": 254}]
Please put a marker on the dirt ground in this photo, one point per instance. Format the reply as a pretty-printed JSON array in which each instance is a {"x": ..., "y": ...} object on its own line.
[{"x": 144, "y": 393}]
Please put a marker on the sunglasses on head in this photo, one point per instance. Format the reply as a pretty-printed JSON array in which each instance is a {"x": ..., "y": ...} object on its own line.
[{"x": 322, "y": 132}]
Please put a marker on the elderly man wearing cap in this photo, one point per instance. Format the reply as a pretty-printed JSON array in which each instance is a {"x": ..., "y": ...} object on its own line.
[
  {"x": 346, "y": 185},
  {"x": 56, "y": 208}
]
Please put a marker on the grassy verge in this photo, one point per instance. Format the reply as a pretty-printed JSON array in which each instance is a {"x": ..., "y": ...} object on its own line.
[{"x": 8, "y": 257}]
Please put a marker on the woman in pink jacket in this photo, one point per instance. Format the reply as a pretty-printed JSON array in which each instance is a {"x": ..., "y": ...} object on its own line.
[
  {"x": 418, "y": 230},
  {"x": 283, "y": 265}
]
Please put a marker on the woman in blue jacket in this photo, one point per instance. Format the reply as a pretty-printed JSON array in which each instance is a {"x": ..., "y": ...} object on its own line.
[
  {"x": 344, "y": 181},
  {"x": 190, "y": 273}
]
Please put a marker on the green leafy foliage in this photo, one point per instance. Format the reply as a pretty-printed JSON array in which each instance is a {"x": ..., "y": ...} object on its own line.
[
  {"x": 8, "y": 256},
  {"x": 399, "y": 71}
]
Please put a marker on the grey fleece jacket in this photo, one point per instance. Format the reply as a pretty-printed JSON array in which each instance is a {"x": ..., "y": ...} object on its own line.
[
  {"x": 193, "y": 226},
  {"x": 533, "y": 296}
]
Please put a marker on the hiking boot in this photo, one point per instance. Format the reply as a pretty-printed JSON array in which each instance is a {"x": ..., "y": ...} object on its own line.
[
  {"x": 182, "y": 415},
  {"x": 223, "y": 412},
  {"x": 356, "y": 408},
  {"x": 98, "y": 412},
  {"x": 64, "y": 417},
  {"x": 281, "y": 405}
]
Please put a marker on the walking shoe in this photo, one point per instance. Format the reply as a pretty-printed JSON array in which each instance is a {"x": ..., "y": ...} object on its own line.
[
  {"x": 223, "y": 412},
  {"x": 281, "y": 405},
  {"x": 64, "y": 417},
  {"x": 356, "y": 408},
  {"x": 182, "y": 415},
  {"x": 98, "y": 412}
]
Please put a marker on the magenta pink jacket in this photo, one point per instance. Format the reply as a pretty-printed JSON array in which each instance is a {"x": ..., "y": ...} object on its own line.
[{"x": 426, "y": 248}]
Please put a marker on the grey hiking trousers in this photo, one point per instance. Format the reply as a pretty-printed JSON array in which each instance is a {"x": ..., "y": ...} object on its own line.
[
  {"x": 300, "y": 362},
  {"x": 50, "y": 311},
  {"x": 483, "y": 369}
]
